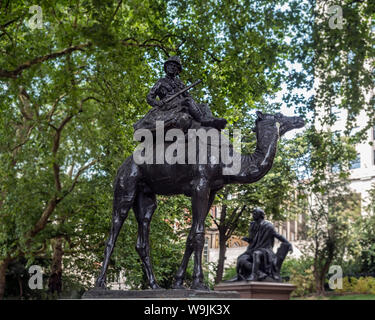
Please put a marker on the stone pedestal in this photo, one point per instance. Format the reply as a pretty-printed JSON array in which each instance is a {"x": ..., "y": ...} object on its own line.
[
  {"x": 258, "y": 290},
  {"x": 160, "y": 294}
]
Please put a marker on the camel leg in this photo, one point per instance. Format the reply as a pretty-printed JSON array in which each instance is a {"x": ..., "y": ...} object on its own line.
[
  {"x": 144, "y": 207},
  {"x": 119, "y": 216},
  {"x": 124, "y": 194},
  {"x": 180, "y": 275},
  {"x": 200, "y": 210}
]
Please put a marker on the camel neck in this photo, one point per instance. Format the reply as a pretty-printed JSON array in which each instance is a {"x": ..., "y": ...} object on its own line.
[{"x": 257, "y": 164}]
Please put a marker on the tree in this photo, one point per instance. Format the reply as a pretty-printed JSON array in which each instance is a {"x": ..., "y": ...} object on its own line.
[
  {"x": 336, "y": 62},
  {"x": 329, "y": 203},
  {"x": 55, "y": 129},
  {"x": 70, "y": 92},
  {"x": 366, "y": 230}
]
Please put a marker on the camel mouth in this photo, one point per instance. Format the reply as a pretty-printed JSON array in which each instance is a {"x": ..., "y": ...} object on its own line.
[
  {"x": 299, "y": 123},
  {"x": 294, "y": 123}
]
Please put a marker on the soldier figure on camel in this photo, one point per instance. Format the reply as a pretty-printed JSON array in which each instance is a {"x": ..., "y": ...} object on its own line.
[{"x": 175, "y": 106}]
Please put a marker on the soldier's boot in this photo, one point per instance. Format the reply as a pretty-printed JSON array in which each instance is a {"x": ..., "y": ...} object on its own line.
[{"x": 218, "y": 123}]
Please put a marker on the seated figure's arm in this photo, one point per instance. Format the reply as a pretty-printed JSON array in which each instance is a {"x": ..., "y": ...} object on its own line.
[
  {"x": 283, "y": 240},
  {"x": 246, "y": 239},
  {"x": 280, "y": 237},
  {"x": 250, "y": 238},
  {"x": 151, "y": 96}
]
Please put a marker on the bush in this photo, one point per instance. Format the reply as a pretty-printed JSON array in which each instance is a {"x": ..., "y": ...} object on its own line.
[
  {"x": 364, "y": 285},
  {"x": 230, "y": 273},
  {"x": 300, "y": 273}
]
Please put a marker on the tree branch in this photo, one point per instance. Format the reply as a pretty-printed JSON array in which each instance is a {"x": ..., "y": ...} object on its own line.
[
  {"x": 80, "y": 171},
  {"x": 56, "y": 143},
  {"x": 9, "y": 23},
  {"x": 135, "y": 43},
  {"x": 40, "y": 225},
  {"x": 54, "y": 106},
  {"x": 25, "y": 108},
  {"x": 217, "y": 225},
  {"x": 117, "y": 8},
  {"x": 25, "y": 139},
  {"x": 13, "y": 74},
  {"x": 235, "y": 222}
]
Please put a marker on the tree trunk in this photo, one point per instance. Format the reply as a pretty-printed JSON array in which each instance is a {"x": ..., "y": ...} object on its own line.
[
  {"x": 20, "y": 286},
  {"x": 320, "y": 277},
  {"x": 319, "y": 284},
  {"x": 222, "y": 251},
  {"x": 3, "y": 269},
  {"x": 55, "y": 281}
]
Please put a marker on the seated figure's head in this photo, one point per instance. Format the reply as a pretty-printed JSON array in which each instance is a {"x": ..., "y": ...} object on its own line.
[{"x": 258, "y": 214}]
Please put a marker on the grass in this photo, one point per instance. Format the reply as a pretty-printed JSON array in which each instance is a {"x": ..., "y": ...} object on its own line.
[
  {"x": 353, "y": 297},
  {"x": 339, "y": 297}
]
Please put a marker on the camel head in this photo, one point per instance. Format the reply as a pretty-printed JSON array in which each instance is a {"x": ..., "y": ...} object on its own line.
[{"x": 285, "y": 123}]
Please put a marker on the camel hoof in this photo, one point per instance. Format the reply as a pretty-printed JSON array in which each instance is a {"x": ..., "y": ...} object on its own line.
[
  {"x": 100, "y": 284},
  {"x": 197, "y": 285},
  {"x": 155, "y": 286},
  {"x": 179, "y": 286}
]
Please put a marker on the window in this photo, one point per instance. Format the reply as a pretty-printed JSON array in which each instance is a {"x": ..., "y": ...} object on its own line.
[
  {"x": 356, "y": 163},
  {"x": 205, "y": 249}
]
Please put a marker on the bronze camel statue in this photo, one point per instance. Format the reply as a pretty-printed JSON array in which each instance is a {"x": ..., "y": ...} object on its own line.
[{"x": 136, "y": 186}]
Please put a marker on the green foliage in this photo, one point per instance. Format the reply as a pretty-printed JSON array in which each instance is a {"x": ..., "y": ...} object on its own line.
[
  {"x": 229, "y": 273},
  {"x": 300, "y": 273},
  {"x": 18, "y": 276},
  {"x": 343, "y": 59},
  {"x": 366, "y": 258},
  {"x": 70, "y": 92},
  {"x": 360, "y": 285},
  {"x": 331, "y": 208}
]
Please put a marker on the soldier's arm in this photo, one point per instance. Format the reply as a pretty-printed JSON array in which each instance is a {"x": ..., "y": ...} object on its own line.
[
  {"x": 182, "y": 85},
  {"x": 151, "y": 96}
]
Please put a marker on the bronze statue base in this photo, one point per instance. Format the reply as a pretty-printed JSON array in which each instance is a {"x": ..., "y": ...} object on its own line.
[
  {"x": 258, "y": 289},
  {"x": 159, "y": 294}
]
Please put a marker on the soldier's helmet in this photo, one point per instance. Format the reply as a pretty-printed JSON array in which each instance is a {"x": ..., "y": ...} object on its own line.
[{"x": 173, "y": 59}]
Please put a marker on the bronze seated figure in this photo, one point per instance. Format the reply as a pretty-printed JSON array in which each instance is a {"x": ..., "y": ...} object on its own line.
[{"x": 259, "y": 262}]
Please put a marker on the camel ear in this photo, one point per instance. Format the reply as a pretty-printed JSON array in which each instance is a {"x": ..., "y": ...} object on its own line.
[{"x": 259, "y": 114}]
